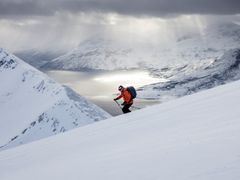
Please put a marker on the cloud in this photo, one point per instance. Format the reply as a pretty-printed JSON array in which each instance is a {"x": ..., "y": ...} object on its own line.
[
  {"x": 127, "y": 7},
  {"x": 63, "y": 24},
  {"x": 64, "y": 31}
]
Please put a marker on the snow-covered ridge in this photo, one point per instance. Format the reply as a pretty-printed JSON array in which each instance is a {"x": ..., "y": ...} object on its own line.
[
  {"x": 109, "y": 54},
  {"x": 197, "y": 63},
  {"x": 192, "y": 138},
  {"x": 95, "y": 54},
  {"x": 37, "y": 58},
  {"x": 33, "y": 106},
  {"x": 191, "y": 78}
]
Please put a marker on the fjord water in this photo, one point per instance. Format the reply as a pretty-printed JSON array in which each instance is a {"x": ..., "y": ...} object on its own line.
[{"x": 100, "y": 87}]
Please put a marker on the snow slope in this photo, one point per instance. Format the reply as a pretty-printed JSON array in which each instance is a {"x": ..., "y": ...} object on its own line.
[
  {"x": 33, "y": 106},
  {"x": 194, "y": 137}
]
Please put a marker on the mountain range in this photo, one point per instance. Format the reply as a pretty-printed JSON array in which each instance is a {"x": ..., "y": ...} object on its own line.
[
  {"x": 109, "y": 54},
  {"x": 194, "y": 62}
]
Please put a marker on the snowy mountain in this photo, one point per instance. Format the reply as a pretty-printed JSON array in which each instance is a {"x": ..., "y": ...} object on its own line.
[
  {"x": 194, "y": 62},
  {"x": 94, "y": 54},
  {"x": 191, "y": 78},
  {"x": 32, "y": 106},
  {"x": 192, "y": 138},
  {"x": 109, "y": 54},
  {"x": 37, "y": 58},
  {"x": 197, "y": 63}
]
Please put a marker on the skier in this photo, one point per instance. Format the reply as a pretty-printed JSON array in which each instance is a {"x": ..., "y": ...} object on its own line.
[{"x": 127, "y": 97}]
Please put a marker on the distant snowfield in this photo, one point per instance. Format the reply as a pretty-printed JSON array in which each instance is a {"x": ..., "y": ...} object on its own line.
[{"x": 194, "y": 137}]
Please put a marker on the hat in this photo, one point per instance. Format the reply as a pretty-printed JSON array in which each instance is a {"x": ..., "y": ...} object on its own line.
[{"x": 120, "y": 88}]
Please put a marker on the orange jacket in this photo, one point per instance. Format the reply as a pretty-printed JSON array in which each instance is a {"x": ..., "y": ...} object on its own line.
[{"x": 126, "y": 96}]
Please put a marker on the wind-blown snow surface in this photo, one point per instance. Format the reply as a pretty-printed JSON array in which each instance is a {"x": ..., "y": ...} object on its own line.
[
  {"x": 32, "y": 106},
  {"x": 194, "y": 137}
]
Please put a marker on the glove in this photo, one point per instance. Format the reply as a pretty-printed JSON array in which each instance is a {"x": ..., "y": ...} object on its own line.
[{"x": 115, "y": 99}]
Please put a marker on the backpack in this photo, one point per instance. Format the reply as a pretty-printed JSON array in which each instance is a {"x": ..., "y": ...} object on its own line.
[{"x": 132, "y": 91}]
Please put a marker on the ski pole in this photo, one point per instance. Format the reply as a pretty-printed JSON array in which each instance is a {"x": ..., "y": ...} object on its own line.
[
  {"x": 118, "y": 104},
  {"x": 134, "y": 107}
]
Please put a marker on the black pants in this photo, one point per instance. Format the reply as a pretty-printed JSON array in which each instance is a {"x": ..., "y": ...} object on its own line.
[{"x": 126, "y": 107}]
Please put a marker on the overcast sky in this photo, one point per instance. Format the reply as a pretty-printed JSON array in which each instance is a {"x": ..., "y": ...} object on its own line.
[
  {"x": 54, "y": 23},
  {"x": 129, "y": 7}
]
